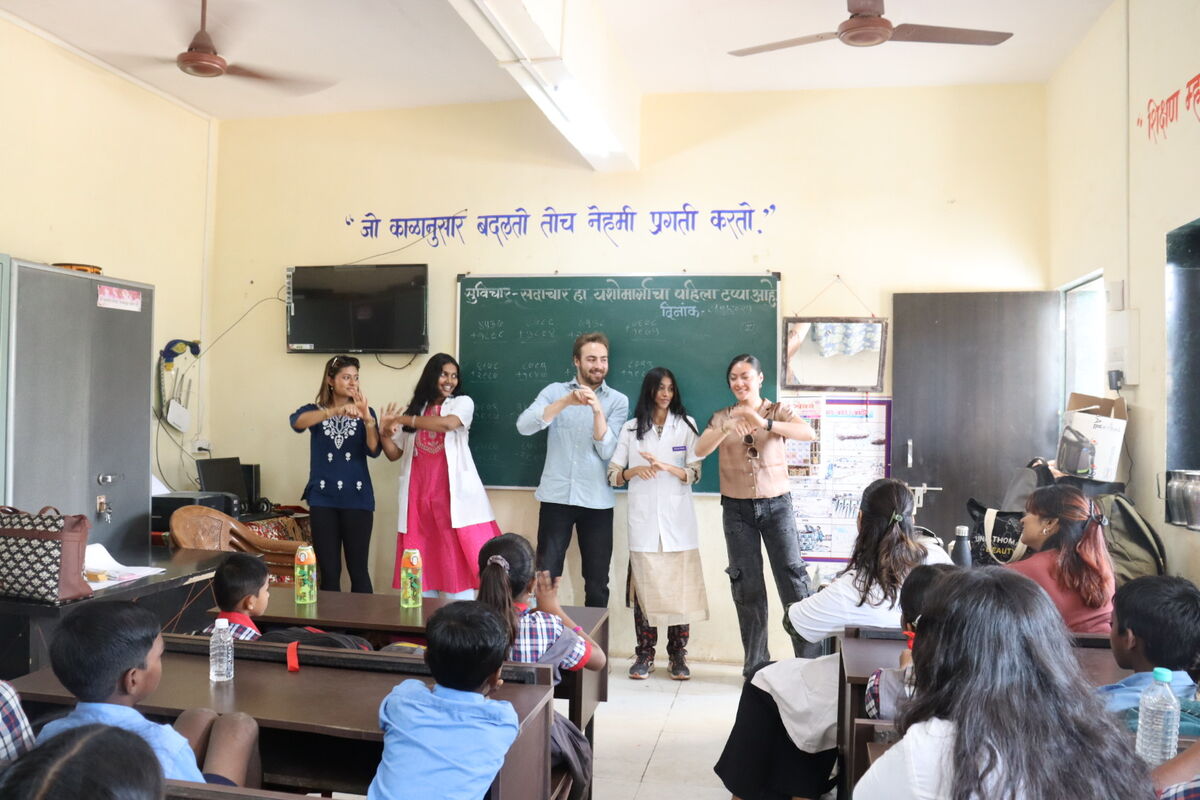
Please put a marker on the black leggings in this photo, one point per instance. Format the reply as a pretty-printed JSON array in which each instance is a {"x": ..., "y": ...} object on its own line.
[{"x": 335, "y": 529}]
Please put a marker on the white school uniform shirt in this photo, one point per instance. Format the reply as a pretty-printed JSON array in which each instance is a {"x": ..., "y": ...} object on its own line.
[
  {"x": 469, "y": 503},
  {"x": 918, "y": 767},
  {"x": 829, "y": 611},
  {"x": 660, "y": 508}
]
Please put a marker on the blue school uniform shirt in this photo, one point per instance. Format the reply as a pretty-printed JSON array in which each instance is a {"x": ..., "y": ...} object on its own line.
[
  {"x": 441, "y": 743},
  {"x": 173, "y": 751},
  {"x": 1128, "y": 693},
  {"x": 337, "y": 462}
]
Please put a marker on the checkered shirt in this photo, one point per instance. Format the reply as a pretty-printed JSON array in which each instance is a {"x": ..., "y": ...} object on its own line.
[
  {"x": 537, "y": 631},
  {"x": 242, "y": 626},
  {"x": 16, "y": 737},
  {"x": 1182, "y": 791}
]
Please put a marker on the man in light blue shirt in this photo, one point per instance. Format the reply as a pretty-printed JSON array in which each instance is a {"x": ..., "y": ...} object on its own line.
[
  {"x": 449, "y": 741},
  {"x": 1155, "y": 623},
  {"x": 584, "y": 416}
]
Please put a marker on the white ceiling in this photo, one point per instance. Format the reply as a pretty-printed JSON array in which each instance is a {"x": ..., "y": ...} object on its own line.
[{"x": 352, "y": 55}]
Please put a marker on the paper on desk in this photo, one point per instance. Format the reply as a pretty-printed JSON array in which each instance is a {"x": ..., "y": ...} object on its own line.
[{"x": 97, "y": 558}]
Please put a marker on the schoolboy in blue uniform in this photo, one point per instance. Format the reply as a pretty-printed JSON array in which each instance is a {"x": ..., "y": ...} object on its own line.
[
  {"x": 109, "y": 655},
  {"x": 1156, "y": 623},
  {"x": 241, "y": 588},
  {"x": 449, "y": 741}
]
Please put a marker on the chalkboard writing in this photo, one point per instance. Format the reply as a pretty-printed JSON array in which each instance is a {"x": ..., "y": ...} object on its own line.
[{"x": 515, "y": 336}]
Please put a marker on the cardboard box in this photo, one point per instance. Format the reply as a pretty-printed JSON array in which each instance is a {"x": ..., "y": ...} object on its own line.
[{"x": 1093, "y": 430}]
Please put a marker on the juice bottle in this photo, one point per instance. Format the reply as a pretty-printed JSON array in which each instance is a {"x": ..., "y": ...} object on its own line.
[
  {"x": 410, "y": 579},
  {"x": 306, "y": 574}
]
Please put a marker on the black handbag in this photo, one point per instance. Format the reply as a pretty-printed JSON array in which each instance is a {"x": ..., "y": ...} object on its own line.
[{"x": 995, "y": 535}]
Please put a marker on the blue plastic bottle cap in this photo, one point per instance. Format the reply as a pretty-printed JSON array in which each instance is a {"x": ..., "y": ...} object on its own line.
[{"x": 1162, "y": 674}]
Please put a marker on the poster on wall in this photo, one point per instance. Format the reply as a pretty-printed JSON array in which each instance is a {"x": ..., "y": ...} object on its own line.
[{"x": 828, "y": 475}]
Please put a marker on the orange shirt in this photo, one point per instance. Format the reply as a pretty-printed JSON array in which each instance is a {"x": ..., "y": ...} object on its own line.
[{"x": 1042, "y": 568}]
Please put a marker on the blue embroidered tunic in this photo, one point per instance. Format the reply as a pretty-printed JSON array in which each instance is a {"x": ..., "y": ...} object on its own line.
[{"x": 337, "y": 464}]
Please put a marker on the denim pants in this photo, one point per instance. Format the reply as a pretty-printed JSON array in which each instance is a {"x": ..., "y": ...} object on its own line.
[
  {"x": 595, "y": 526},
  {"x": 769, "y": 521}
]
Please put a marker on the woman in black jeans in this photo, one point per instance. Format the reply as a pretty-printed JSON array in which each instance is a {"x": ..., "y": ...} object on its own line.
[
  {"x": 757, "y": 504},
  {"x": 340, "y": 497}
]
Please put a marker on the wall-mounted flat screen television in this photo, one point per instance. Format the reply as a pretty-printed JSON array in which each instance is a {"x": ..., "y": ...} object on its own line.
[{"x": 372, "y": 308}]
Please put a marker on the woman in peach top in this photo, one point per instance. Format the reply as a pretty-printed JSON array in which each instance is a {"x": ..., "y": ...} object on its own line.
[{"x": 1071, "y": 563}]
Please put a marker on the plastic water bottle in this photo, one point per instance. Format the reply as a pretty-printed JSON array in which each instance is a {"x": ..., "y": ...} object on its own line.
[
  {"x": 1158, "y": 720},
  {"x": 960, "y": 552},
  {"x": 220, "y": 653},
  {"x": 410, "y": 579},
  {"x": 306, "y": 575}
]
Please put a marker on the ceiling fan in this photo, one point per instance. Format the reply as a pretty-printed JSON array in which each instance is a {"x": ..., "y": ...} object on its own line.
[
  {"x": 202, "y": 60},
  {"x": 867, "y": 27}
]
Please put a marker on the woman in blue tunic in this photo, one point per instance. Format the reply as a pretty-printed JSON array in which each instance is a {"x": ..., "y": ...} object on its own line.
[{"x": 340, "y": 498}]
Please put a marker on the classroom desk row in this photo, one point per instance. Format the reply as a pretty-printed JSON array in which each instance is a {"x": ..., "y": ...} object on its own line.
[
  {"x": 318, "y": 727},
  {"x": 382, "y": 614},
  {"x": 862, "y": 654}
]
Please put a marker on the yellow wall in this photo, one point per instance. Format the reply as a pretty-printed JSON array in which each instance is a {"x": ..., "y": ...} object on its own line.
[
  {"x": 895, "y": 190},
  {"x": 1093, "y": 139},
  {"x": 99, "y": 171}
]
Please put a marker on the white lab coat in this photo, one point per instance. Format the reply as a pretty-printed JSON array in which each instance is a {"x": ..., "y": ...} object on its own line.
[
  {"x": 469, "y": 503},
  {"x": 660, "y": 509}
]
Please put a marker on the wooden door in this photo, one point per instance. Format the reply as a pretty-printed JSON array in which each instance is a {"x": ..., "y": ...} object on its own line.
[{"x": 977, "y": 385}]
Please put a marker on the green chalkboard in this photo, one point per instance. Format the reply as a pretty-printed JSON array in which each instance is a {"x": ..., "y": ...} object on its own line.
[{"x": 515, "y": 336}]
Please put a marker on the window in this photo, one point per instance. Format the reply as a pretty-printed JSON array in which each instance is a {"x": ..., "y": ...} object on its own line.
[{"x": 1083, "y": 317}]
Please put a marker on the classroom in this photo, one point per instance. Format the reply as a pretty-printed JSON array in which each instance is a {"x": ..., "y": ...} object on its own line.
[{"x": 1031, "y": 184}]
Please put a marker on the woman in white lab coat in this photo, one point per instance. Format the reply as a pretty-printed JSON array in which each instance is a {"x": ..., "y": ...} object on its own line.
[{"x": 655, "y": 456}]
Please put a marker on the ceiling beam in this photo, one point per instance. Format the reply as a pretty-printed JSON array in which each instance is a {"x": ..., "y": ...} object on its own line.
[{"x": 562, "y": 55}]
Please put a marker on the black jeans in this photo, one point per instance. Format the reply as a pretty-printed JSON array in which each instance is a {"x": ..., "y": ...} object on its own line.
[
  {"x": 749, "y": 525},
  {"x": 595, "y": 526},
  {"x": 335, "y": 529}
]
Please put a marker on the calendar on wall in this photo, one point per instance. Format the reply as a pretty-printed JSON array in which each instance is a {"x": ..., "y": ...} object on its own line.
[{"x": 828, "y": 475}]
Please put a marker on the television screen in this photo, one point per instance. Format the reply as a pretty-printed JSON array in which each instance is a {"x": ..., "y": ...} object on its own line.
[{"x": 373, "y": 308}]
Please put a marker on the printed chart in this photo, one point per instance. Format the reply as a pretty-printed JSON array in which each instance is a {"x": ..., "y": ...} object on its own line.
[{"x": 829, "y": 474}]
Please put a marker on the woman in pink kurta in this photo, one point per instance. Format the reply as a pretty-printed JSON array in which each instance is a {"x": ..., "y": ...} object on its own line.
[
  {"x": 444, "y": 509},
  {"x": 1071, "y": 563}
]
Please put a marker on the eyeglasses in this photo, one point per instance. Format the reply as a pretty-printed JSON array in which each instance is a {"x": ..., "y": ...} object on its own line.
[
  {"x": 751, "y": 450},
  {"x": 338, "y": 362}
]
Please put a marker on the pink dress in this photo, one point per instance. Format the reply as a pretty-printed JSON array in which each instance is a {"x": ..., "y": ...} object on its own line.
[{"x": 449, "y": 555}]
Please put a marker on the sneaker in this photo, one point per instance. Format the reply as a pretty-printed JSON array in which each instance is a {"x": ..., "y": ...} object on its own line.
[
  {"x": 679, "y": 668},
  {"x": 641, "y": 669}
]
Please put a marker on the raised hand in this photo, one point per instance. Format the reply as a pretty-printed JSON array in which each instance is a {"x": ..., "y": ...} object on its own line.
[
  {"x": 389, "y": 420},
  {"x": 744, "y": 415},
  {"x": 360, "y": 402},
  {"x": 545, "y": 589}
]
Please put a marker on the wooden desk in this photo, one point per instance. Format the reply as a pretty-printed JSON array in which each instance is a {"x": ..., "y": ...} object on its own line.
[
  {"x": 319, "y": 727},
  {"x": 26, "y": 628},
  {"x": 861, "y": 657},
  {"x": 583, "y": 689}
]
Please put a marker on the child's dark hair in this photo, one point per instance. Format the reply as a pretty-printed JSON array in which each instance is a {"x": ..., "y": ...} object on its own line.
[
  {"x": 239, "y": 576},
  {"x": 915, "y": 593},
  {"x": 1163, "y": 611},
  {"x": 467, "y": 641},
  {"x": 886, "y": 548},
  {"x": 98, "y": 643},
  {"x": 506, "y": 566},
  {"x": 93, "y": 762}
]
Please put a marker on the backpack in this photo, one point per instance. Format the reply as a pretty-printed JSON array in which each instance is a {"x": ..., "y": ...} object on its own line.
[
  {"x": 1133, "y": 545},
  {"x": 315, "y": 637}
]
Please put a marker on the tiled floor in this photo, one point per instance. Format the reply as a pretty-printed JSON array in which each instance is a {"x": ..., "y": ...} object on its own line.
[{"x": 658, "y": 738}]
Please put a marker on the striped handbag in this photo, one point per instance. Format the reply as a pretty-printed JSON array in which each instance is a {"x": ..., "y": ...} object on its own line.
[{"x": 41, "y": 555}]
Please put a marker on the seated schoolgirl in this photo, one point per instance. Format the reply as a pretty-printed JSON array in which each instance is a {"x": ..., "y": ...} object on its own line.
[
  {"x": 542, "y": 636},
  {"x": 762, "y": 758},
  {"x": 888, "y": 687},
  {"x": 1000, "y": 708}
]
